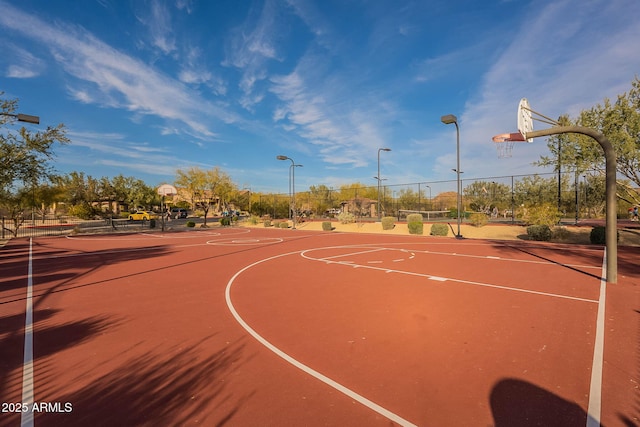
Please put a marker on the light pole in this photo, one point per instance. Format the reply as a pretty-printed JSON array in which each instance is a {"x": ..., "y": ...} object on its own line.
[
  {"x": 380, "y": 179},
  {"x": 292, "y": 186},
  {"x": 447, "y": 120}
]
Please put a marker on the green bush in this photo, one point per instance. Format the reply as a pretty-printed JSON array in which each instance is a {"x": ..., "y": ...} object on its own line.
[
  {"x": 267, "y": 223},
  {"x": 346, "y": 218},
  {"x": 326, "y": 226},
  {"x": 414, "y": 217},
  {"x": 253, "y": 220},
  {"x": 415, "y": 227},
  {"x": 225, "y": 221},
  {"x": 283, "y": 224},
  {"x": 439, "y": 229},
  {"x": 560, "y": 233},
  {"x": 598, "y": 235},
  {"x": 478, "y": 219},
  {"x": 84, "y": 211},
  {"x": 388, "y": 222},
  {"x": 541, "y": 233},
  {"x": 414, "y": 224},
  {"x": 191, "y": 224},
  {"x": 545, "y": 214}
]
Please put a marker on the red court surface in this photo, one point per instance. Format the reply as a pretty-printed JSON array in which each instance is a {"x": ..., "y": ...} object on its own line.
[{"x": 265, "y": 327}]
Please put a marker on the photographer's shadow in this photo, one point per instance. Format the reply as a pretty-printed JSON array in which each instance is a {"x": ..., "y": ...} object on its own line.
[{"x": 522, "y": 404}]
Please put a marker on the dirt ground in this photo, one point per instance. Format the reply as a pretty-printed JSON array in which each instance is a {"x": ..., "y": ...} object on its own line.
[{"x": 573, "y": 234}]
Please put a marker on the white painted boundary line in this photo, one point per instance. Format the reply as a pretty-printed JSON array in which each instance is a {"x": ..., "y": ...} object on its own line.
[
  {"x": 26, "y": 418},
  {"x": 303, "y": 253},
  {"x": 354, "y": 253},
  {"x": 331, "y": 383},
  {"x": 595, "y": 390}
]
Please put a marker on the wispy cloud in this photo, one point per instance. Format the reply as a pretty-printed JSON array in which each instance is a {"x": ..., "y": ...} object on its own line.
[
  {"x": 25, "y": 65},
  {"x": 114, "y": 149},
  {"x": 343, "y": 132},
  {"x": 562, "y": 65},
  {"x": 114, "y": 79},
  {"x": 250, "y": 46},
  {"x": 158, "y": 23}
]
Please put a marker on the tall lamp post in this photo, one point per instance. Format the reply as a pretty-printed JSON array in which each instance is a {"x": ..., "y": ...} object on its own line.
[
  {"x": 292, "y": 185},
  {"x": 447, "y": 120},
  {"x": 380, "y": 179}
]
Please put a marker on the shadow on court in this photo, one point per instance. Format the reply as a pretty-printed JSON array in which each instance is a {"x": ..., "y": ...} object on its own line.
[
  {"x": 168, "y": 386},
  {"x": 50, "y": 338},
  {"x": 517, "y": 403}
]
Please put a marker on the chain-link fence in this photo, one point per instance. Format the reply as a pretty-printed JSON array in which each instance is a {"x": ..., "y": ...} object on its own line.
[
  {"x": 33, "y": 226},
  {"x": 502, "y": 198}
]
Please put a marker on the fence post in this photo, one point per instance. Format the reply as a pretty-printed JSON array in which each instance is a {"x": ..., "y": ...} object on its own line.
[{"x": 3, "y": 227}]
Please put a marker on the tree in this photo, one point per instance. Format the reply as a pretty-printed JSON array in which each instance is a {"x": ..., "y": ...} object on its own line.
[
  {"x": 408, "y": 199},
  {"x": 204, "y": 188},
  {"x": 483, "y": 196},
  {"x": 620, "y": 123},
  {"x": 322, "y": 197},
  {"x": 25, "y": 157}
]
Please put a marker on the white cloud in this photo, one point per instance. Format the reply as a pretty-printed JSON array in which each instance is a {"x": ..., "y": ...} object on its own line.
[
  {"x": 25, "y": 65},
  {"x": 250, "y": 46},
  {"x": 158, "y": 23},
  {"x": 562, "y": 64},
  {"x": 115, "y": 79},
  {"x": 344, "y": 133}
]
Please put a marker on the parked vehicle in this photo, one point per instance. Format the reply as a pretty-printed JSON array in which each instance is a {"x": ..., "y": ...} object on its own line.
[
  {"x": 178, "y": 213},
  {"x": 142, "y": 215}
]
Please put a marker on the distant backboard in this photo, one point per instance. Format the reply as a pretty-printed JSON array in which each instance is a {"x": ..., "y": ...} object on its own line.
[{"x": 167, "y": 190}]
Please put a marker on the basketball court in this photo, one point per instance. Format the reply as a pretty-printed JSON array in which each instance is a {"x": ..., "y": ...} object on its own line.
[{"x": 240, "y": 326}]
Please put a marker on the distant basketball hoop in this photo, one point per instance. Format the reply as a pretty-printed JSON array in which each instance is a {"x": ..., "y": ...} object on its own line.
[{"x": 167, "y": 190}]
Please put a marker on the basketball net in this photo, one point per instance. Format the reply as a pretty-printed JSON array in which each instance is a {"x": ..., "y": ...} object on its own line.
[
  {"x": 504, "y": 148},
  {"x": 504, "y": 143}
]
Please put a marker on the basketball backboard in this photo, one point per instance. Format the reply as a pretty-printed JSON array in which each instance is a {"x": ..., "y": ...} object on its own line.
[
  {"x": 167, "y": 190},
  {"x": 525, "y": 119}
]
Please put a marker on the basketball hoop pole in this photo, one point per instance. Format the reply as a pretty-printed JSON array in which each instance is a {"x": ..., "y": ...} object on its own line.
[{"x": 611, "y": 230}]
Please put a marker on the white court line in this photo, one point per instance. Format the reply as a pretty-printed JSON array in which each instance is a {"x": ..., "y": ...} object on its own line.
[
  {"x": 354, "y": 253},
  {"x": 497, "y": 258},
  {"x": 595, "y": 389},
  {"x": 331, "y": 383},
  {"x": 26, "y": 418},
  {"x": 444, "y": 279}
]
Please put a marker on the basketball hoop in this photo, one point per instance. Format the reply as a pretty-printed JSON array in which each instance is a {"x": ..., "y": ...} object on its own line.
[{"x": 504, "y": 141}]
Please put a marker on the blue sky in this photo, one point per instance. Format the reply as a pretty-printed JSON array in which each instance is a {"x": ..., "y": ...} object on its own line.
[{"x": 145, "y": 87}]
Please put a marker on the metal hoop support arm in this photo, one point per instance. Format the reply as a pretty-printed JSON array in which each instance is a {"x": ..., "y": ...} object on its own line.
[{"x": 611, "y": 232}]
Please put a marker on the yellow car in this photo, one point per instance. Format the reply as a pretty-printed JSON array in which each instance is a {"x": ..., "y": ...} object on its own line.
[{"x": 142, "y": 215}]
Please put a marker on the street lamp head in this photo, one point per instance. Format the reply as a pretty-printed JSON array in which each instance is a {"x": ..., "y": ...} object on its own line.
[
  {"x": 384, "y": 149},
  {"x": 448, "y": 119},
  {"x": 281, "y": 157},
  {"x": 29, "y": 119},
  {"x": 23, "y": 118}
]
